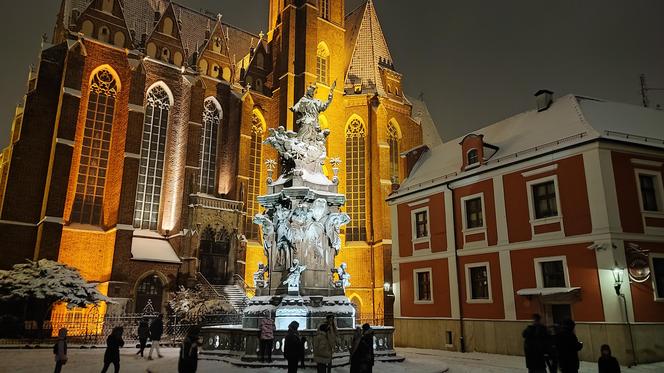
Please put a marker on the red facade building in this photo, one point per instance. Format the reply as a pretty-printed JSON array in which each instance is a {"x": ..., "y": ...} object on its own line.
[{"x": 545, "y": 212}]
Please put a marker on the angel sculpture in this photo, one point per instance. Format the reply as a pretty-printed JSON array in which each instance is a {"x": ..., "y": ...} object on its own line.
[
  {"x": 333, "y": 229},
  {"x": 344, "y": 276},
  {"x": 267, "y": 226},
  {"x": 259, "y": 276},
  {"x": 293, "y": 279}
]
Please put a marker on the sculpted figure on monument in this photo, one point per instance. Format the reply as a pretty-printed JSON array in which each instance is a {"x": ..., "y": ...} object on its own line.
[
  {"x": 293, "y": 279},
  {"x": 259, "y": 276},
  {"x": 344, "y": 276},
  {"x": 333, "y": 229},
  {"x": 284, "y": 235},
  {"x": 267, "y": 226},
  {"x": 309, "y": 109}
]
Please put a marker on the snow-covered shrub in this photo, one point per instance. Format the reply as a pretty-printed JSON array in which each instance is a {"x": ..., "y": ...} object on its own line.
[{"x": 191, "y": 305}]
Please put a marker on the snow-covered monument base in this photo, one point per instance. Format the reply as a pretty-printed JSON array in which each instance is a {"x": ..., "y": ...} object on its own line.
[{"x": 301, "y": 229}]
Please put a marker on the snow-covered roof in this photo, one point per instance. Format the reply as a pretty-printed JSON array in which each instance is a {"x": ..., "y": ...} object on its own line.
[
  {"x": 151, "y": 248},
  {"x": 546, "y": 291},
  {"x": 571, "y": 120},
  {"x": 430, "y": 135}
]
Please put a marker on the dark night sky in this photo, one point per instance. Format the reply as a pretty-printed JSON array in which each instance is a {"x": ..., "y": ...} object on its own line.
[{"x": 476, "y": 61}]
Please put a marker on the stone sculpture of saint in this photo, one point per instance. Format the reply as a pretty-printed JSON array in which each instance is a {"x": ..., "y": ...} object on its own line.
[
  {"x": 293, "y": 279},
  {"x": 310, "y": 109},
  {"x": 344, "y": 276},
  {"x": 268, "y": 231},
  {"x": 333, "y": 229},
  {"x": 259, "y": 276},
  {"x": 284, "y": 236}
]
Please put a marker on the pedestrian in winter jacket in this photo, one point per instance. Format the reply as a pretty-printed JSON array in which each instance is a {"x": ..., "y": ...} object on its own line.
[
  {"x": 365, "y": 350},
  {"x": 568, "y": 347},
  {"x": 535, "y": 345},
  {"x": 188, "y": 360},
  {"x": 143, "y": 335},
  {"x": 112, "y": 354},
  {"x": 607, "y": 363},
  {"x": 60, "y": 350},
  {"x": 266, "y": 336},
  {"x": 156, "y": 331},
  {"x": 293, "y": 347},
  {"x": 354, "y": 356},
  {"x": 324, "y": 344}
]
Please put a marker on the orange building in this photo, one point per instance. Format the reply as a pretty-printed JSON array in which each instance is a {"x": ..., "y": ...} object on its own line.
[
  {"x": 545, "y": 212},
  {"x": 137, "y": 155}
]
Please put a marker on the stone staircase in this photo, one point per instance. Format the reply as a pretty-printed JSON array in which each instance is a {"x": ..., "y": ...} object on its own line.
[{"x": 233, "y": 294}]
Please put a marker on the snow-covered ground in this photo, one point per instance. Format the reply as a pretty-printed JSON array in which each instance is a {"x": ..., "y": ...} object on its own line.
[{"x": 417, "y": 361}]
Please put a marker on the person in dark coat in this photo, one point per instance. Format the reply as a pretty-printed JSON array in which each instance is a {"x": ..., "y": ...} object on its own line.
[
  {"x": 112, "y": 354},
  {"x": 568, "y": 347},
  {"x": 143, "y": 334},
  {"x": 354, "y": 356},
  {"x": 156, "y": 331},
  {"x": 365, "y": 350},
  {"x": 293, "y": 347},
  {"x": 60, "y": 350},
  {"x": 607, "y": 363},
  {"x": 188, "y": 361},
  {"x": 535, "y": 345}
]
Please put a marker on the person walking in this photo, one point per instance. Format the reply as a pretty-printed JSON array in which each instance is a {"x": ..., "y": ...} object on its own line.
[
  {"x": 156, "y": 331},
  {"x": 535, "y": 345},
  {"x": 324, "y": 343},
  {"x": 568, "y": 347},
  {"x": 112, "y": 354},
  {"x": 188, "y": 361},
  {"x": 607, "y": 363},
  {"x": 143, "y": 334},
  {"x": 293, "y": 347},
  {"x": 266, "y": 336},
  {"x": 354, "y": 356},
  {"x": 365, "y": 350},
  {"x": 60, "y": 350}
]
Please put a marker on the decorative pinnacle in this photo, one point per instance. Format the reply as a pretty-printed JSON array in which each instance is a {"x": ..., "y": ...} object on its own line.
[{"x": 270, "y": 164}]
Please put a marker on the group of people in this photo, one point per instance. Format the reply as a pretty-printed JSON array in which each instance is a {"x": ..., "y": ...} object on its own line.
[
  {"x": 361, "y": 351},
  {"x": 560, "y": 350}
]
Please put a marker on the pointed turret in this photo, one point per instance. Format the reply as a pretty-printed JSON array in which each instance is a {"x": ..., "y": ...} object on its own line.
[{"x": 369, "y": 49}]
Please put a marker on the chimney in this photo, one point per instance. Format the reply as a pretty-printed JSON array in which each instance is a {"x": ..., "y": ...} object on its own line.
[{"x": 544, "y": 99}]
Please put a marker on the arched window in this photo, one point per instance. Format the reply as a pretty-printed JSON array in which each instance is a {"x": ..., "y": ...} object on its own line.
[
  {"x": 152, "y": 50},
  {"x": 255, "y": 172},
  {"x": 151, "y": 168},
  {"x": 104, "y": 34},
  {"x": 168, "y": 26},
  {"x": 203, "y": 66},
  {"x": 393, "y": 137},
  {"x": 473, "y": 157},
  {"x": 324, "y": 8},
  {"x": 260, "y": 60},
  {"x": 119, "y": 39},
  {"x": 226, "y": 74},
  {"x": 208, "y": 161},
  {"x": 258, "y": 85},
  {"x": 87, "y": 28},
  {"x": 216, "y": 46},
  {"x": 166, "y": 55},
  {"x": 356, "y": 180},
  {"x": 89, "y": 197},
  {"x": 215, "y": 70},
  {"x": 323, "y": 63},
  {"x": 107, "y": 6},
  {"x": 149, "y": 294}
]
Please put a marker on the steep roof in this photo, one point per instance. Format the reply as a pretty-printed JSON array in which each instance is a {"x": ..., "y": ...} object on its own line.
[
  {"x": 430, "y": 135},
  {"x": 140, "y": 14},
  {"x": 366, "y": 40},
  {"x": 571, "y": 120}
]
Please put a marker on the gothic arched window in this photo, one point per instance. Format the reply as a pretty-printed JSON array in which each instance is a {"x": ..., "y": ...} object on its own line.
[
  {"x": 255, "y": 172},
  {"x": 151, "y": 168},
  {"x": 393, "y": 137},
  {"x": 89, "y": 197},
  {"x": 324, "y": 8},
  {"x": 356, "y": 180},
  {"x": 323, "y": 63},
  {"x": 208, "y": 161}
]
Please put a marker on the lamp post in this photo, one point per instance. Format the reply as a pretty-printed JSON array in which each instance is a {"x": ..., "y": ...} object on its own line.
[{"x": 618, "y": 279}]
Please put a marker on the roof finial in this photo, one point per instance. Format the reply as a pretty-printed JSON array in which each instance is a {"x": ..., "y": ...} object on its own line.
[{"x": 260, "y": 35}]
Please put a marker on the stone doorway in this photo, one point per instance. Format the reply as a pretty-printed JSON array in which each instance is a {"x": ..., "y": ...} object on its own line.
[{"x": 214, "y": 253}]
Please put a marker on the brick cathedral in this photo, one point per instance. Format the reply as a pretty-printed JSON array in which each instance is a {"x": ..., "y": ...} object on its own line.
[{"x": 137, "y": 154}]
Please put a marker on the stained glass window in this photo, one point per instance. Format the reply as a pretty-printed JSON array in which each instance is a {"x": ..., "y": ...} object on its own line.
[
  {"x": 208, "y": 160},
  {"x": 356, "y": 181},
  {"x": 393, "y": 142},
  {"x": 151, "y": 168},
  {"x": 255, "y": 172},
  {"x": 93, "y": 165}
]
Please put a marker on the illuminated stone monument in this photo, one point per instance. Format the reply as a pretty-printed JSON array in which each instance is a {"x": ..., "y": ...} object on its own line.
[{"x": 301, "y": 232}]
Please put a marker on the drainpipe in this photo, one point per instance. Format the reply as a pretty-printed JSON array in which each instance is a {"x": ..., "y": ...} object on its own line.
[
  {"x": 374, "y": 103},
  {"x": 458, "y": 273}
]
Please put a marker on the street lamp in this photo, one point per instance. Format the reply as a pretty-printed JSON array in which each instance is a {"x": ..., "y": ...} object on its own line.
[
  {"x": 387, "y": 286},
  {"x": 618, "y": 279}
]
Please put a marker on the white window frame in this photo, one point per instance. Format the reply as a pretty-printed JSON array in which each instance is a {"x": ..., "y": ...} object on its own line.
[
  {"x": 539, "y": 276},
  {"x": 469, "y": 290},
  {"x": 413, "y": 220},
  {"x": 475, "y": 164},
  {"x": 658, "y": 297},
  {"x": 416, "y": 288},
  {"x": 464, "y": 217},
  {"x": 659, "y": 188},
  {"x": 534, "y": 222}
]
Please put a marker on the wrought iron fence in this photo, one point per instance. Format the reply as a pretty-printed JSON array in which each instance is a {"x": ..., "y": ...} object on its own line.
[{"x": 373, "y": 319}]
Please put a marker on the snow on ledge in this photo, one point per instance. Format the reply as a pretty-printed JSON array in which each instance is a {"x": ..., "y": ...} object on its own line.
[{"x": 153, "y": 250}]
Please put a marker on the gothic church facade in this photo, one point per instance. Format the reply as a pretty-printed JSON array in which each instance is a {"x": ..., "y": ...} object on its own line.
[{"x": 137, "y": 154}]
